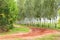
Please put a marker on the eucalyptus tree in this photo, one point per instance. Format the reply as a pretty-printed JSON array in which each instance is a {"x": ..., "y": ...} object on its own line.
[
  {"x": 50, "y": 9},
  {"x": 37, "y": 8},
  {"x": 58, "y": 2},
  {"x": 21, "y": 9},
  {"x": 29, "y": 9},
  {"x": 46, "y": 9},
  {"x": 8, "y": 14}
]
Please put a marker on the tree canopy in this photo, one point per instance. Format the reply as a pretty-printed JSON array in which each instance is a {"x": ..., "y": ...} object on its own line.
[{"x": 38, "y": 8}]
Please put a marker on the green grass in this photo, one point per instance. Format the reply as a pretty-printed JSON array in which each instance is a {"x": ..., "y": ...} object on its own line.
[
  {"x": 16, "y": 30},
  {"x": 49, "y": 37},
  {"x": 21, "y": 29}
]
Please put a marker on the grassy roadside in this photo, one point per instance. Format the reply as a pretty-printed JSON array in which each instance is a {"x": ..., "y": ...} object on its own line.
[
  {"x": 50, "y": 37},
  {"x": 16, "y": 30}
]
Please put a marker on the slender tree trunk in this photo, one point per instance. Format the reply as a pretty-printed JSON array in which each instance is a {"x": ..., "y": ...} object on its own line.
[
  {"x": 44, "y": 23},
  {"x": 40, "y": 22},
  {"x": 55, "y": 22}
]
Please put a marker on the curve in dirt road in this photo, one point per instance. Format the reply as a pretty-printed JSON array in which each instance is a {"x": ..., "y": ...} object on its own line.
[{"x": 35, "y": 32}]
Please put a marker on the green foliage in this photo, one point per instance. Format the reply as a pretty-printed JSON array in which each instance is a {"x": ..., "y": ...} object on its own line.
[
  {"x": 8, "y": 14},
  {"x": 58, "y": 24},
  {"x": 38, "y": 8}
]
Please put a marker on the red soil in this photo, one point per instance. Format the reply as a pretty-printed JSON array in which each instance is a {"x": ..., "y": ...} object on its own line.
[{"x": 34, "y": 32}]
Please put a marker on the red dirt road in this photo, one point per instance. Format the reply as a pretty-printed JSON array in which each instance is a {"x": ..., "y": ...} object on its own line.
[{"x": 35, "y": 32}]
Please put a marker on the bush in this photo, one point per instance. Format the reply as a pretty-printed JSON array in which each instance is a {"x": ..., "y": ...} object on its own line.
[{"x": 8, "y": 14}]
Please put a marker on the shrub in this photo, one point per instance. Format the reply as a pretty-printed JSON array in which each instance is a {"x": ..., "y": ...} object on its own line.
[{"x": 8, "y": 14}]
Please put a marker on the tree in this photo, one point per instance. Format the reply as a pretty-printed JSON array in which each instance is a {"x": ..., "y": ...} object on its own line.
[
  {"x": 21, "y": 9},
  {"x": 38, "y": 9},
  {"x": 8, "y": 14},
  {"x": 50, "y": 9}
]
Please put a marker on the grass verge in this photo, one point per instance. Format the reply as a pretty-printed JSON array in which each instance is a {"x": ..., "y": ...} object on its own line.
[{"x": 16, "y": 30}]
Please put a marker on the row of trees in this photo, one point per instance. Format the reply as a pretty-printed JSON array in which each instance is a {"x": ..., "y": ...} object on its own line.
[{"x": 38, "y": 8}]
